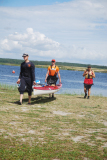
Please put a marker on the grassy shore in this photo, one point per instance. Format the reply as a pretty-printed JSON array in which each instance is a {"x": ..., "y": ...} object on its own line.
[
  {"x": 72, "y": 68},
  {"x": 61, "y": 67},
  {"x": 67, "y": 127}
]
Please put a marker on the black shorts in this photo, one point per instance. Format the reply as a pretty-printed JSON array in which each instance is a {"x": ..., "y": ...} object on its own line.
[
  {"x": 52, "y": 80},
  {"x": 26, "y": 85},
  {"x": 87, "y": 86}
]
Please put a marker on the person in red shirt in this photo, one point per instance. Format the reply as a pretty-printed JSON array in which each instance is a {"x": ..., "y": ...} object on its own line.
[
  {"x": 51, "y": 75},
  {"x": 88, "y": 81}
]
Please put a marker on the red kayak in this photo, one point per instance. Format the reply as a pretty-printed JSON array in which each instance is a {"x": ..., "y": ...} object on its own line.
[{"x": 46, "y": 89}]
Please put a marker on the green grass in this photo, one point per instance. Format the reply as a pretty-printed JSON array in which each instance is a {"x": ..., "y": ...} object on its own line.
[
  {"x": 7, "y": 87},
  {"x": 65, "y": 128}
]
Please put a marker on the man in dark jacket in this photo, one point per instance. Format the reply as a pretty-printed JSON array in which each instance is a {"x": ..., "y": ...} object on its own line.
[{"x": 26, "y": 78}]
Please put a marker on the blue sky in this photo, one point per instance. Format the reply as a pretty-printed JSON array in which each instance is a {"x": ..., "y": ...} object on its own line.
[
  {"x": 27, "y": 3},
  {"x": 69, "y": 31}
]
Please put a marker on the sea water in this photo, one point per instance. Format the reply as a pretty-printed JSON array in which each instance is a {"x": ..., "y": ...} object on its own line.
[{"x": 72, "y": 81}]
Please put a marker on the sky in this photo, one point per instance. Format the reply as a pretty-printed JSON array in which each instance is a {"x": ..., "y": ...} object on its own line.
[
  {"x": 27, "y": 3},
  {"x": 69, "y": 31}
]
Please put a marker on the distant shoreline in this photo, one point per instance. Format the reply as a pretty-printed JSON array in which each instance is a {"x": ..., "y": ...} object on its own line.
[{"x": 61, "y": 67}]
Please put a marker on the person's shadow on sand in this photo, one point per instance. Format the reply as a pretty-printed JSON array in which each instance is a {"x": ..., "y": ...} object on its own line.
[
  {"x": 81, "y": 97},
  {"x": 37, "y": 100}
]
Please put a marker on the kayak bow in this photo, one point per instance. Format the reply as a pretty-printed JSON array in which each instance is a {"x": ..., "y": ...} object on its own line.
[{"x": 46, "y": 89}]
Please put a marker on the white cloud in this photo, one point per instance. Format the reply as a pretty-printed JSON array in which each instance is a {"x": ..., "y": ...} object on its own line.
[
  {"x": 70, "y": 31},
  {"x": 32, "y": 42},
  {"x": 37, "y": 44}
]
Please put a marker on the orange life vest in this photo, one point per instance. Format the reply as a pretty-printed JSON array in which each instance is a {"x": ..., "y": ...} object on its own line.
[{"x": 53, "y": 70}]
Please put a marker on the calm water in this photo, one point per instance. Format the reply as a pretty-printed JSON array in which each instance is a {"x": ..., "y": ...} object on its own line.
[{"x": 72, "y": 81}]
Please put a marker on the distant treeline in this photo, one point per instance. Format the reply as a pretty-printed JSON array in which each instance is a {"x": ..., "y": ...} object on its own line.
[{"x": 18, "y": 62}]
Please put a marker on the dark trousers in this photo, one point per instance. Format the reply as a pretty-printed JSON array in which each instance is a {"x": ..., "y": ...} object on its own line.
[
  {"x": 26, "y": 85},
  {"x": 52, "y": 80}
]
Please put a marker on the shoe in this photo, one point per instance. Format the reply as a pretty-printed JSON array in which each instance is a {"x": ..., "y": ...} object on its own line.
[
  {"x": 85, "y": 95},
  {"x": 20, "y": 103},
  {"x": 52, "y": 96},
  {"x": 88, "y": 97},
  {"x": 29, "y": 103}
]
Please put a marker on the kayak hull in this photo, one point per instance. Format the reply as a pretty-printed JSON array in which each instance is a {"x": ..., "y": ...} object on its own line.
[{"x": 40, "y": 90}]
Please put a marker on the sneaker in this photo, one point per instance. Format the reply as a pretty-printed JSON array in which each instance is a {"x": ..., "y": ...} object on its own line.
[
  {"x": 85, "y": 95},
  {"x": 88, "y": 97},
  {"x": 52, "y": 96},
  {"x": 19, "y": 103}
]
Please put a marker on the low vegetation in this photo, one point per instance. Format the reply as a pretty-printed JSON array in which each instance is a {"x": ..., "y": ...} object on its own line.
[
  {"x": 62, "y": 65},
  {"x": 63, "y": 128}
]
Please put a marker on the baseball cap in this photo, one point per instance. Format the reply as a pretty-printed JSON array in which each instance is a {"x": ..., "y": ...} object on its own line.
[
  {"x": 53, "y": 60},
  {"x": 24, "y": 55}
]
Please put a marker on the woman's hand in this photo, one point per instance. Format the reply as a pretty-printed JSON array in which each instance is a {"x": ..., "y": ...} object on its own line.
[
  {"x": 90, "y": 73},
  {"x": 86, "y": 72}
]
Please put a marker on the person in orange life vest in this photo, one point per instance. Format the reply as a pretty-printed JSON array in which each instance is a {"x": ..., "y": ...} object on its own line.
[
  {"x": 51, "y": 75},
  {"x": 88, "y": 81},
  {"x": 26, "y": 78}
]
